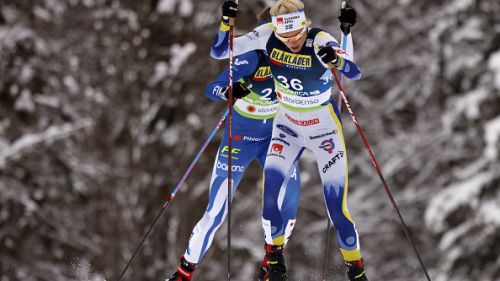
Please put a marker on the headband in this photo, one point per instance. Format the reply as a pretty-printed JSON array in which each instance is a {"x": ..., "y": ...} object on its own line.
[{"x": 289, "y": 22}]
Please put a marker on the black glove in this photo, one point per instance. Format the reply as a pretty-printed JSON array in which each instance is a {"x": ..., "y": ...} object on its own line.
[
  {"x": 347, "y": 17},
  {"x": 239, "y": 91},
  {"x": 329, "y": 56},
  {"x": 229, "y": 10}
]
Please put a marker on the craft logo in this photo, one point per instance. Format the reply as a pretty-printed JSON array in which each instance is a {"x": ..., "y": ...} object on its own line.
[
  {"x": 280, "y": 57},
  {"x": 303, "y": 122},
  {"x": 333, "y": 161},
  {"x": 263, "y": 73},
  {"x": 327, "y": 145}
]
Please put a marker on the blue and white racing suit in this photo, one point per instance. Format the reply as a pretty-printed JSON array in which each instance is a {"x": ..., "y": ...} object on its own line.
[
  {"x": 251, "y": 130},
  {"x": 307, "y": 118}
]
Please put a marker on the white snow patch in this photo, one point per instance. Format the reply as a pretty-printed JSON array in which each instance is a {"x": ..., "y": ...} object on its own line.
[
  {"x": 170, "y": 137},
  {"x": 50, "y": 101},
  {"x": 492, "y": 136},
  {"x": 168, "y": 7},
  {"x": 470, "y": 31},
  {"x": 25, "y": 102},
  {"x": 194, "y": 120},
  {"x": 468, "y": 104},
  {"x": 454, "y": 196},
  {"x": 494, "y": 65},
  {"x": 11, "y": 35},
  {"x": 161, "y": 71},
  {"x": 179, "y": 55},
  {"x": 186, "y": 8},
  {"x": 83, "y": 271},
  {"x": 27, "y": 141},
  {"x": 71, "y": 84},
  {"x": 490, "y": 213}
]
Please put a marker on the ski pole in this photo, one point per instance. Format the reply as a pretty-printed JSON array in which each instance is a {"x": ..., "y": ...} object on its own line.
[
  {"x": 347, "y": 27},
  {"x": 174, "y": 192},
  {"x": 379, "y": 171},
  {"x": 230, "y": 144}
]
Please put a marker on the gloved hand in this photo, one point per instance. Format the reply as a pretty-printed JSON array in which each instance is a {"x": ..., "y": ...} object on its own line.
[
  {"x": 239, "y": 91},
  {"x": 347, "y": 17},
  {"x": 329, "y": 56},
  {"x": 229, "y": 10}
]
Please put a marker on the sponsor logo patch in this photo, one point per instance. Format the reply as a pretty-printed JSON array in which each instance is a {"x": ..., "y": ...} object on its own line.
[
  {"x": 332, "y": 161},
  {"x": 281, "y": 140},
  {"x": 276, "y": 150},
  {"x": 287, "y": 130},
  {"x": 234, "y": 168},
  {"x": 327, "y": 145},
  {"x": 256, "y": 139},
  {"x": 263, "y": 73},
  {"x": 281, "y": 57},
  {"x": 322, "y": 135},
  {"x": 309, "y": 122},
  {"x": 234, "y": 152}
]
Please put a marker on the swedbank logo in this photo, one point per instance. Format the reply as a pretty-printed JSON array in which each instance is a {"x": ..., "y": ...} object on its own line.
[
  {"x": 281, "y": 57},
  {"x": 263, "y": 73}
]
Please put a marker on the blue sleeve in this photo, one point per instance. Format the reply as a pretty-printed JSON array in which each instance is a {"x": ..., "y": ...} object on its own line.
[
  {"x": 351, "y": 70},
  {"x": 220, "y": 44},
  {"x": 243, "y": 66}
]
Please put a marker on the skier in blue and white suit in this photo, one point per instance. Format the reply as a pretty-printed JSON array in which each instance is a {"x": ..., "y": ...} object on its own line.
[
  {"x": 301, "y": 59},
  {"x": 255, "y": 108}
]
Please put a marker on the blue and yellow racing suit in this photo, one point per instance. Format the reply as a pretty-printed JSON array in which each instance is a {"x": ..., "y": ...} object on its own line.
[
  {"x": 251, "y": 130},
  {"x": 306, "y": 119}
]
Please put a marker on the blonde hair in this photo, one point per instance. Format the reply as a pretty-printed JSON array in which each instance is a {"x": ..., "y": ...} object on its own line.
[{"x": 283, "y": 7}]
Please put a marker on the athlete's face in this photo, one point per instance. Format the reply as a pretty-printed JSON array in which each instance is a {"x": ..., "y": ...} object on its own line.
[{"x": 294, "y": 40}]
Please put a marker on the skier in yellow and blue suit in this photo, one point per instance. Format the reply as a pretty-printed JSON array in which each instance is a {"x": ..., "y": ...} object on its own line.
[
  {"x": 301, "y": 59},
  {"x": 255, "y": 107}
]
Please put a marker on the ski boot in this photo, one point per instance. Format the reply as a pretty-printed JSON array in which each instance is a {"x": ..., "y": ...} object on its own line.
[
  {"x": 275, "y": 269},
  {"x": 356, "y": 271},
  {"x": 184, "y": 271},
  {"x": 264, "y": 269}
]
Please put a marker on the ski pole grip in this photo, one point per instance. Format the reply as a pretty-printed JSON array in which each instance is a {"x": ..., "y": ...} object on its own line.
[{"x": 231, "y": 20}]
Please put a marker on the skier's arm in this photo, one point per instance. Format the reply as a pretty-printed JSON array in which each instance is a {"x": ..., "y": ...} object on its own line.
[
  {"x": 254, "y": 40},
  {"x": 346, "y": 44},
  {"x": 331, "y": 52},
  {"x": 347, "y": 21},
  {"x": 243, "y": 66}
]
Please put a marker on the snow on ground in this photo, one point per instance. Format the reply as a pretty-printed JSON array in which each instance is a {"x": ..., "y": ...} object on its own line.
[{"x": 83, "y": 271}]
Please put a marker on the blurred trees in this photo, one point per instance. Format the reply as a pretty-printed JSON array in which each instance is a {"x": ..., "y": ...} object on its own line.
[{"x": 102, "y": 110}]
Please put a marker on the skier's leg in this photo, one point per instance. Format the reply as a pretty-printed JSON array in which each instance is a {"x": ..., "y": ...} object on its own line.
[
  {"x": 279, "y": 163},
  {"x": 203, "y": 232},
  {"x": 331, "y": 156},
  {"x": 289, "y": 197}
]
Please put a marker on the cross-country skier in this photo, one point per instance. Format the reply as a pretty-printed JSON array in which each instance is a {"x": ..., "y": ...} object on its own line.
[
  {"x": 301, "y": 58},
  {"x": 255, "y": 108}
]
